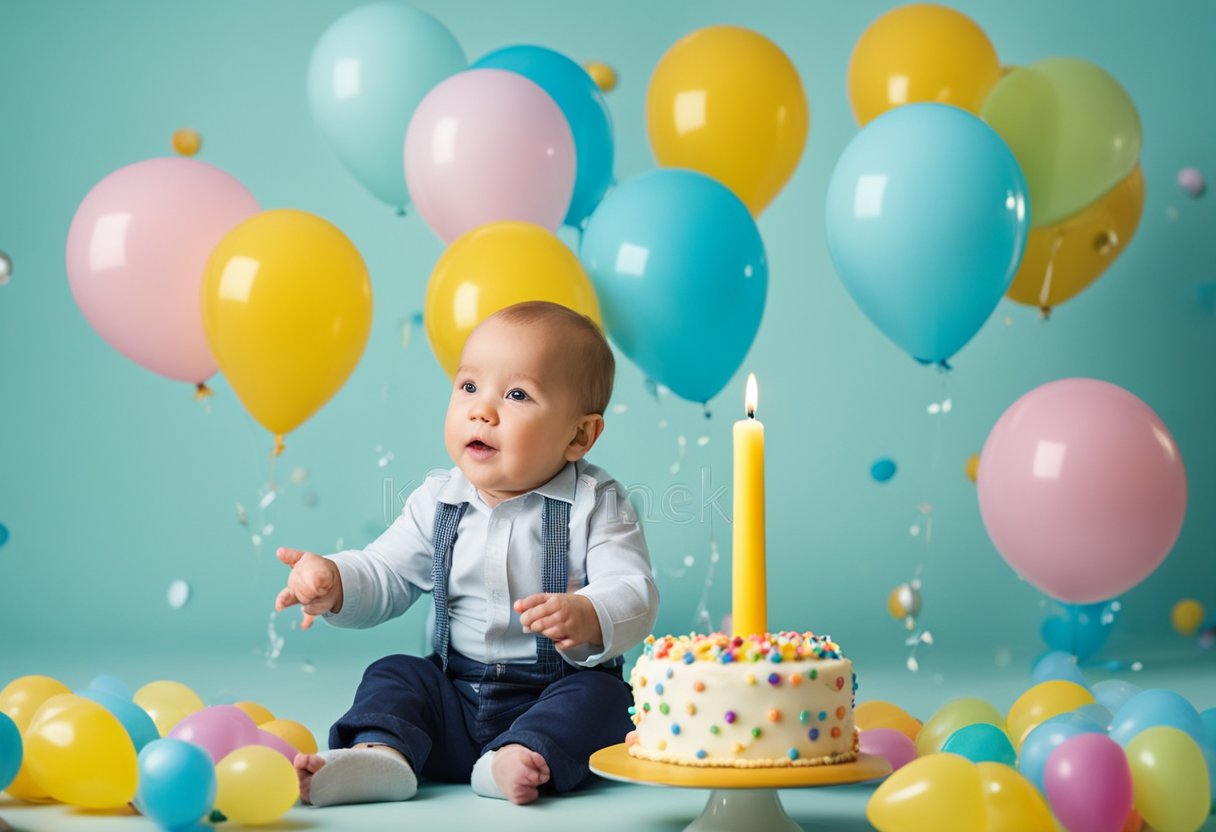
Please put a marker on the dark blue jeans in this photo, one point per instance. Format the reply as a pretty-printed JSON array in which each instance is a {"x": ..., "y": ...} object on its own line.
[{"x": 442, "y": 723}]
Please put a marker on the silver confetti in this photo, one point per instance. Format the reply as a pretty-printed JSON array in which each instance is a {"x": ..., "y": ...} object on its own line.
[
  {"x": 6, "y": 268},
  {"x": 618, "y": 409},
  {"x": 298, "y": 475},
  {"x": 179, "y": 594},
  {"x": 242, "y": 516},
  {"x": 267, "y": 499}
]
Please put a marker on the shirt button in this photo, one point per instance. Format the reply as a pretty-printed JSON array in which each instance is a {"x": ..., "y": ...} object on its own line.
[{"x": 501, "y": 524}]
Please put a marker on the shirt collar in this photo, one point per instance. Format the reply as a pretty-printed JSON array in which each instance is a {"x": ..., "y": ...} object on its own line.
[{"x": 458, "y": 489}]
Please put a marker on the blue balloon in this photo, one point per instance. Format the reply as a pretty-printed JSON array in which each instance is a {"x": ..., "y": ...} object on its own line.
[
  {"x": 882, "y": 470},
  {"x": 368, "y": 73},
  {"x": 927, "y": 219},
  {"x": 3, "y": 534},
  {"x": 1058, "y": 665},
  {"x": 1153, "y": 707},
  {"x": 583, "y": 106},
  {"x": 11, "y": 750},
  {"x": 111, "y": 685},
  {"x": 1045, "y": 737},
  {"x": 176, "y": 782},
  {"x": 1113, "y": 694},
  {"x": 981, "y": 743},
  {"x": 139, "y": 726},
  {"x": 681, "y": 275},
  {"x": 1079, "y": 629}
]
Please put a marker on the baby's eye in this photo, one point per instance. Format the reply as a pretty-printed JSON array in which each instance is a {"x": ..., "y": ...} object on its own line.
[
  {"x": 517, "y": 395},
  {"x": 469, "y": 387}
]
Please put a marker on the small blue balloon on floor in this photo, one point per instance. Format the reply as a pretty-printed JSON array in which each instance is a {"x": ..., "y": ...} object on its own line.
[
  {"x": 11, "y": 750},
  {"x": 3, "y": 534},
  {"x": 1058, "y": 665},
  {"x": 883, "y": 470},
  {"x": 981, "y": 743}
]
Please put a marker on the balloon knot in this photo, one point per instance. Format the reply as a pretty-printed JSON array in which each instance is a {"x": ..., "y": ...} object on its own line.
[
  {"x": 943, "y": 366},
  {"x": 401, "y": 210},
  {"x": 1044, "y": 313},
  {"x": 202, "y": 391},
  {"x": 278, "y": 444}
]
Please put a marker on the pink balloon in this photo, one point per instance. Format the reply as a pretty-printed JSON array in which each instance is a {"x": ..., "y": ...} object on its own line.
[
  {"x": 219, "y": 730},
  {"x": 135, "y": 257},
  {"x": 1089, "y": 784},
  {"x": 1082, "y": 489},
  {"x": 488, "y": 145},
  {"x": 278, "y": 744},
  {"x": 889, "y": 743}
]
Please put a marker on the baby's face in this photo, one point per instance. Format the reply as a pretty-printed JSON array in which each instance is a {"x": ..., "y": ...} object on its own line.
[{"x": 512, "y": 414}]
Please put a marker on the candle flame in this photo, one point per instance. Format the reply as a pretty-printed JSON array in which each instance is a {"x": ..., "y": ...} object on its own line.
[{"x": 752, "y": 396}]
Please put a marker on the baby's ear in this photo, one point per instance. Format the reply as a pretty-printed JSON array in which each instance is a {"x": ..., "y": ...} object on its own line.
[{"x": 586, "y": 430}]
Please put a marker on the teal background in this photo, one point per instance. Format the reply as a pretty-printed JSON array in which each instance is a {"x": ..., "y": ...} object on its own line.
[{"x": 115, "y": 482}]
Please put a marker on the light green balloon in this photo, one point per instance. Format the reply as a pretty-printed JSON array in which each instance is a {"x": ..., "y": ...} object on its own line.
[
  {"x": 1073, "y": 128},
  {"x": 1170, "y": 778},
  {"x": 955, "y": 714}
]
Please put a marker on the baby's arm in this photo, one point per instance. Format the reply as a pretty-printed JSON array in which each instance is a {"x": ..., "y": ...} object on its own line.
[
  {"x": 314, "y": 582},
  {"x": 568, "y": 619}
]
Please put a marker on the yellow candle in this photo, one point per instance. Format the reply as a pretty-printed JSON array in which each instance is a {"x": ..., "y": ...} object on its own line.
[{"x": 749, "y": 591}]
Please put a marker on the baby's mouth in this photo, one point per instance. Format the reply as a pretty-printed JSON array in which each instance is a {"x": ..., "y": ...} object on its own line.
[{"x": 480, "y": 450}]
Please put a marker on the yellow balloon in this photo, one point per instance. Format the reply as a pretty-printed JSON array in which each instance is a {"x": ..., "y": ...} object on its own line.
[
  {"x": 921, "y": 52},
  {"x": 1187, "y": 616},
  {"x": 1042, "y": 702},
  {"x": 187, "y": 142},
  {"x": 941, "y": 791},
  {"x": 495, "y": 266},
  {"x": 727, "y": 102},
  {"x": 287, "y": 307},
  {"x": 81, "y": 754},
  {"x": 255, "y": 712},
  {"x": 603, "y": 75},
  {"x": 1012, "y": 801},
  {"x": 973, "y": 467},
  {"x": 255, "y": 785},
  {"x": 879, "y": 714},
  {"x": 168, "y": 703},
  {"x": 955, "y": 714},
  {"x": 20, "y": 700},
  {"x": 1061, "y": 260},
  {"x": 293, "y": 733},
  {"x": 1170, "y": 777}
]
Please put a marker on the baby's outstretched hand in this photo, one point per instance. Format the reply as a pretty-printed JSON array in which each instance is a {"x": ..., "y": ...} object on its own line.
[
  {"x": 566, "y": 618},
  {"x": 314, "y": 583}
]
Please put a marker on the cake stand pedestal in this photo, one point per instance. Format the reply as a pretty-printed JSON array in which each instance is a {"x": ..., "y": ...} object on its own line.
[{"x": 741, "y": 798}]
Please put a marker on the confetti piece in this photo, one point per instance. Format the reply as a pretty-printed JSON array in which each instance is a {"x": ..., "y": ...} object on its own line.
[
  {"x": 299, "y": 475},
  {"x": 1190, "y": 180},
  {"x": 6, "y": 268},
  {"x": 242, "y": 516},
  {"x": 618, "y": 409},
  {"x": 179, "y": 594},
  {"x": 883, "y": 470}
]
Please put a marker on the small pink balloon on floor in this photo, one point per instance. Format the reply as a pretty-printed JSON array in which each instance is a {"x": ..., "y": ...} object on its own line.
[
  {"x": 1082, "y": 489},
  {"x": 894, "y": 746},
  {"x": 220, "y": 730}
]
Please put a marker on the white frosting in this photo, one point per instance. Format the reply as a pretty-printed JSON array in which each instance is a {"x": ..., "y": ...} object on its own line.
[{"x": 744, "y": 714}]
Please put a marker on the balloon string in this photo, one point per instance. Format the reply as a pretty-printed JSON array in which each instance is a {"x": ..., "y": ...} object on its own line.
[
  {"x": 202, "y": 391},
  {"x": 279, "y": 445},
  {"x": 1045, "y": 291}
]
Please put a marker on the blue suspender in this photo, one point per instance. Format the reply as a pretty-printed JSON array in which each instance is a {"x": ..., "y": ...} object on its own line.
[{"x": 555, "y": 533}]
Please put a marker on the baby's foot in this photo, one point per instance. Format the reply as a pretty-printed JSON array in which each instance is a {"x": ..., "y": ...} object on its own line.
[
  {"x": 363, "y": 774},
  {"x": 306, "y": 766},
  {"x": 519, "y": 773}
]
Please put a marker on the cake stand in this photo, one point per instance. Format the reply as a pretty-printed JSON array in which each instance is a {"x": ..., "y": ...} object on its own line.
[{"x": 741, "y": 798}]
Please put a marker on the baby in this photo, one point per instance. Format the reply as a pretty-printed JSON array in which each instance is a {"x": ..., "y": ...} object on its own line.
[{"x": 540, "y": 578}]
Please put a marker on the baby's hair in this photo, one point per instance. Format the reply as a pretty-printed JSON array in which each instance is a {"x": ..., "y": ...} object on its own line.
[{"x": 590, "y": 361}]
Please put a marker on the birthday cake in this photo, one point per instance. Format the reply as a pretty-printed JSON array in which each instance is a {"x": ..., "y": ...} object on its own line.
[{"x": 781, "y": 699}]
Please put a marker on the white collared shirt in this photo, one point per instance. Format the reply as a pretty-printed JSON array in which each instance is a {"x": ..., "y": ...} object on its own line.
[{"x": 498, "y": 558}]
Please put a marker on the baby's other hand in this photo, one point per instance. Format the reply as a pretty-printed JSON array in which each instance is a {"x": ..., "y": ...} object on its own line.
[
  {"x": 314, "y": 583},
  {"x": 566, "y": 618}
]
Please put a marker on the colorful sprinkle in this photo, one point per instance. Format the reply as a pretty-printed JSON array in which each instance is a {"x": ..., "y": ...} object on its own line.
[
  {"x": 774, "y": 715},
  {"x": 774, "y": 679},
  {"x": 839, "y": 683},
  {"x": 792, "y": 753},
  {"x": 730, "y": 717},
  {"x": 675, "y": 728},
  {"x": 698, "y": 686},
  {"x": 662, "y": 745},
  {"x": 714, "y": 729},
  {"x": 658, "y": 689},
  {"x": 691, "y": 708},
  {"x": 670, "y": 672},
  {"x": 632, "y": 710},
  {"x": 795, "y": 679},
  {"x": 718, "y": 647},
  {"x": 756, "y": 732},
  {"x": 840, "y": 712},
  {"x": 737, "y": 748},
  {"x": 814, "y": 734},
  {"x": 750, "y": 678},
  {"x": 701, "y": 755},
  {"x": 822, "y": 715},
  {"x": 836, "y": 732},
  {"x": 804, "y": 717},
  {"x": 813, "y": 674},
  {"x": 646, "y": 707}
]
